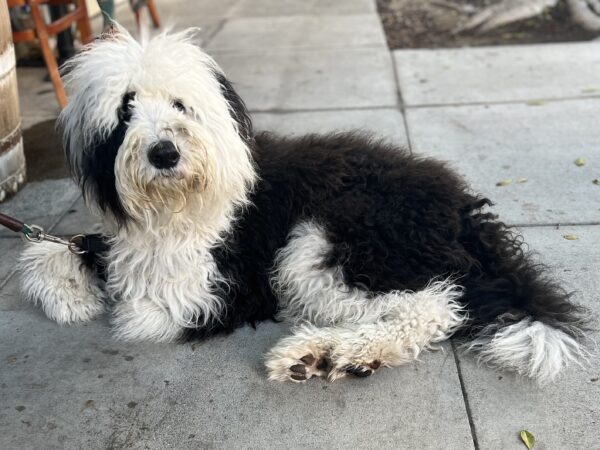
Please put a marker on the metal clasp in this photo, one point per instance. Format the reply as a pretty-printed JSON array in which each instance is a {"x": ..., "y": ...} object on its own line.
[{"x": 36, "y": 234}]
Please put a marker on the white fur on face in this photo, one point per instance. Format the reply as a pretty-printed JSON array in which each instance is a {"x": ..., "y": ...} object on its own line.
[{"x": 215, "y": 171}]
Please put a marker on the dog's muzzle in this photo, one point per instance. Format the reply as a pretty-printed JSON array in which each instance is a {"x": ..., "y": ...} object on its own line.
[{"x": 163, "y": 155}]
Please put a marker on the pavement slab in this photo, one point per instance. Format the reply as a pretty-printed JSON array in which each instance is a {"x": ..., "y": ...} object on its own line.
[
  {"x": 317, "y": 79},
  {"x": 10, "y": 295},
  {"x": 212, "y": 394},
  {"x": 499, "y": 74},
  {"x": 41, "y": 203},
  {"x": 564, "y": 415},
  {"x": 249, "y": 8},
  {"x": 386, "y": 123},
  {"x": 9, "y": 249},
  {"x": 177, "y": 14},
  {"x": 492, "y": 143},
  {"x": 36, "y": 96},
  {"x": 299, "y": 32},
  {"x": 78, "y": 219}
]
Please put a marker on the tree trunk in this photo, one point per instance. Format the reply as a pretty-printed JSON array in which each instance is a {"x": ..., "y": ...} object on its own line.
[{"x": 12, "y": 159}]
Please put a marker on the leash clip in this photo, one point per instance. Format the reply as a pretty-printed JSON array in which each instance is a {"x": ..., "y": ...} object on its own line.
[{"x": 36, "y": 234}]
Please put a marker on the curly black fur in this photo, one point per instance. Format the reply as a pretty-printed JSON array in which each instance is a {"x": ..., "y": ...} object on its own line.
[
  {"x": 96, "y": 176},
  {"x": 396, "y": 221}
]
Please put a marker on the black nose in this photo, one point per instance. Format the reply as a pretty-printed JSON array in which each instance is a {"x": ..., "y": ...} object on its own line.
[{"x": 163, "y": 155}]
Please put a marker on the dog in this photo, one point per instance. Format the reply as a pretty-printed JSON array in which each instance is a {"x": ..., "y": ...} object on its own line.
[{"x": 374, "y": 254}]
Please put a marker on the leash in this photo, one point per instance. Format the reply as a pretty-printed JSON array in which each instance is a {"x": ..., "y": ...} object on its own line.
[{"x": 79, "y": 244}]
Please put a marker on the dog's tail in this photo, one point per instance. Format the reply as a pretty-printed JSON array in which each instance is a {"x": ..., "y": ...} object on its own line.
[{"x": 521, "y": 319}]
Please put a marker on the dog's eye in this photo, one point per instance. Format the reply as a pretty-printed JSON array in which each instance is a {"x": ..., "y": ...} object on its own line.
[
  {"x": 125, "y": 108},
  {"x": 177, "y": 104}
]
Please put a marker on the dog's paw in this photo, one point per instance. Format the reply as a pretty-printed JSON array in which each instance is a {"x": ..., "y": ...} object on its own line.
[
  {"x": 357, "y": 369},
  {"x": 297, "y": 360},
  {"x": 288, "y": 369}
]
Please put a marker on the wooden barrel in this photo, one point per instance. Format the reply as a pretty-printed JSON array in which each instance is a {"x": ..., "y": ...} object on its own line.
[{"x": 12, "y": 159}]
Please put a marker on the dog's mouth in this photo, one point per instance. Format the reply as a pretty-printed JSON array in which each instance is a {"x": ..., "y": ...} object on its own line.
[
  {"x": 173, "y": 173},
  {"x": 177, "y": 178}
]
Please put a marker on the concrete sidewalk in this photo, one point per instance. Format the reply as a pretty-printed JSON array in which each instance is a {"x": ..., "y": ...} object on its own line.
[{"x": 494, "y": 113}]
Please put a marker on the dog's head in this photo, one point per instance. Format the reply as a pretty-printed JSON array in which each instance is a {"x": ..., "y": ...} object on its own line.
[{"x": 154, "y": 133}]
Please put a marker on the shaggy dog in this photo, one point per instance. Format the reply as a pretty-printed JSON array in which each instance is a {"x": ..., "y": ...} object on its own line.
[{"x": 375, "y": 254}]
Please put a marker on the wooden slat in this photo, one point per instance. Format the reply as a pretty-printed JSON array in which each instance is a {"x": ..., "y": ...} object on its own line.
[{"x": 9, "y": 112}]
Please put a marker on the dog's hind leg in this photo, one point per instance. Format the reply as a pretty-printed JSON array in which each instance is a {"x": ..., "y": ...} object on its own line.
[
  {"x": 348, "y": 330},
  {"x": 66, "y": 289},
  {"x": 415, "y": 324},
  {"x": 311, "y": 291}
]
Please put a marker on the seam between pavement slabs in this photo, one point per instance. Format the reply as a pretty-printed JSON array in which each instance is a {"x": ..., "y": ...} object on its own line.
[
  {"x": 533, "y": 102},
  {"x": 465, "y": 396},
  {"x": 553, "y": 224},
  {"x": 212, "y": 35},
  {"x": 401, "y": 105},
  {"x": 325, "y": 109}
]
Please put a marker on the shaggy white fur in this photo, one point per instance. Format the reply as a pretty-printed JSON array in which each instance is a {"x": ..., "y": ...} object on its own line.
[
  {"x": 67, "y": 291},
  {"x": 161, "y": 284},
  {"x": 528, "y": 347}
]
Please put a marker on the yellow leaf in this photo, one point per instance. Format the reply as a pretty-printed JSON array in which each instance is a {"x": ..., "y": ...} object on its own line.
[
  {"x": 522, "y": 180},
  {"x": 535, "y": 102},
  {"x": 571, "y": 237},
  {"x": 588, "y": 90},
  {"x": 527, "y": 439},
  {"x": 580, "y": 162},
  {"x": 504, "y": 182}
]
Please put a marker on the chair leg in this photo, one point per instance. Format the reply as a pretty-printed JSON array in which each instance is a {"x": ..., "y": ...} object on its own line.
[
  {"x": 83, "y": 24},
  {"x": 40, "y": 29},
  {"x": 153, "y": 13}
]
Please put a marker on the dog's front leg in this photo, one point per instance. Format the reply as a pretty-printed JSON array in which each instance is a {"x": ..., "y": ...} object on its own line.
[
  {"x": 66, "y": 289},
  {"x": 142, "y": 319}
]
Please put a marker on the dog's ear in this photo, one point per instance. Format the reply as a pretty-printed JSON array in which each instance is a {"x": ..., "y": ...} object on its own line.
[{"x": 237, "y": 108}]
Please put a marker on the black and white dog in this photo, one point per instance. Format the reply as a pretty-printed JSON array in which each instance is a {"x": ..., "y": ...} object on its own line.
[{"x": 373, "y": 253}]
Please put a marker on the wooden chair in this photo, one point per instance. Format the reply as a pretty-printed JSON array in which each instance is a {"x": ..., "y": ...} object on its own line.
[
  {"x": 153, "y": 14},
  {"x": 42, "y": 31}
]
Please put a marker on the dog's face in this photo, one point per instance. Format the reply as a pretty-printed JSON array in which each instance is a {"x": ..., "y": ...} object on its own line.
[{"x": 154, "y": 132}]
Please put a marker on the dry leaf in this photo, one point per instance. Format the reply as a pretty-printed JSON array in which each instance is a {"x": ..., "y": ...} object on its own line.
[
  {"x": 588, "y": 90},
  {"x": 580, "y": 162},
  {"x": 596, "y": 181},
  {"x": 504, "y": 182},
  {"x": 535, "y": 102},
  {"x": 571, "y": 237},
  {"x": 522, "y": 180},
  {"x": 528, "y": 439}
]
